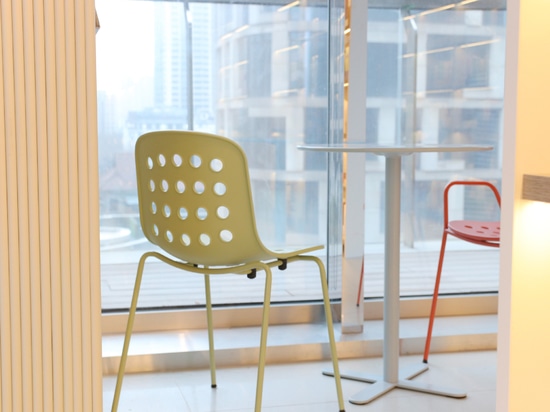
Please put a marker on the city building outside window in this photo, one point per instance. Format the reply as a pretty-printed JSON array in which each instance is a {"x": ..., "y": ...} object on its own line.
[{"x": 261, "y": 75}]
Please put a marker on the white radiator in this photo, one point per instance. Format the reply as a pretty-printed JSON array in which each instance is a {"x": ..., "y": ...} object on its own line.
[{"x": 50, "y": 332}]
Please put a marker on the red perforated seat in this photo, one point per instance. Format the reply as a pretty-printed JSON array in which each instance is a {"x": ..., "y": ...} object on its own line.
[
  {"x": 485, "y": 233},
  {"x": 475, "y": 232}
]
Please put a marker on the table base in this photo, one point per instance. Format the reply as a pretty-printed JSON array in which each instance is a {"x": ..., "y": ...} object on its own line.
[{"x": 380, "y": 387}]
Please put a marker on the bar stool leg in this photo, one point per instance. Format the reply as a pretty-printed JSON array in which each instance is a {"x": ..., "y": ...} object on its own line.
[{"x": 435, "y": 296}]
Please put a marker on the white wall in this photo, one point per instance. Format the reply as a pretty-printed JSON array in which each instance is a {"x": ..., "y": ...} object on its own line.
[{"x": 524, "y": 298}]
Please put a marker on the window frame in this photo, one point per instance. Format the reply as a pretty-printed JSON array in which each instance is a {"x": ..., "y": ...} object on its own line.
[{"x": 151, "y": 319}]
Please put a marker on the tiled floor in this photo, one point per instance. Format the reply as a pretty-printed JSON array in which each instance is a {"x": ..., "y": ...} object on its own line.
[{"x": 301, "y": 387}]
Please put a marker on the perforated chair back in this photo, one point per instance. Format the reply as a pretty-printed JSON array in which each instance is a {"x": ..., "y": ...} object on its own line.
[
  {"x": 195, "y": 203},
  {"x": 195, "y": 199}
]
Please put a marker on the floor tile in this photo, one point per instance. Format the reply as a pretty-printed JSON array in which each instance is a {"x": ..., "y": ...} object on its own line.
[{"x": 301, "y": 387}]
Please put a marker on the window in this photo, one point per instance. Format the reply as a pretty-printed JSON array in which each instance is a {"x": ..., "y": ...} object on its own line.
[
  {"x": 433, "y": 76},
  {"x": 271, "y": 78},
  {"x": 457, "y": 62},
  {"x": 221, "y": 68}
]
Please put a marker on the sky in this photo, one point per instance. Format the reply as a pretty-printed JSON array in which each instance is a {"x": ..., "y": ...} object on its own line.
[{"x": 124, "y": 43}]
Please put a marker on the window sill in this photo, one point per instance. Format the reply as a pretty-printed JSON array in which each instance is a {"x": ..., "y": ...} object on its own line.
[{"x": 188, "y": 349}]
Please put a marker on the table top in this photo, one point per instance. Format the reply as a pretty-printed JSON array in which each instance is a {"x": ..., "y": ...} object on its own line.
[{"x": 393, "y": 149}]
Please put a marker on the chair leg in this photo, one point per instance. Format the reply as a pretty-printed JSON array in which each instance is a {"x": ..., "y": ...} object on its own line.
[
  {"x": 434, "y": 297},
  {"x": 263, "y": 340},
  {"x": 210, "y": 331},
  {"x": 360, "y": 290},
  {"x": 129, "y": 327},
  {"x": 330, "y": 328}
]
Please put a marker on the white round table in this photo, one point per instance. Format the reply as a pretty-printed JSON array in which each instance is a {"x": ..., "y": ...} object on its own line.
[{"x": 393, "y": 376}]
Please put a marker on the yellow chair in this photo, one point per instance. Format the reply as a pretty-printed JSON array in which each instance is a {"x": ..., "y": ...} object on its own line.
[{"x": 196, "y": 205}]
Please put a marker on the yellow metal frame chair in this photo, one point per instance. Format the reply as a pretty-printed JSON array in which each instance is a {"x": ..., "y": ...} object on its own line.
[{"x": 196, "y": 205}]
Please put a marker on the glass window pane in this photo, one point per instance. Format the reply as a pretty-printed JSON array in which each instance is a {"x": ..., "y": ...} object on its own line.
[
  {"x": 270, "y": 77},
  {"x": 254, "y": 73},
  {"x": 435, "y": 76}
]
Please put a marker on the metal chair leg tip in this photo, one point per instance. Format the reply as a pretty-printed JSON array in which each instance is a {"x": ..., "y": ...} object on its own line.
[
  {"x": 214, "y": 386},
  {"x": 425, "y": 361}
]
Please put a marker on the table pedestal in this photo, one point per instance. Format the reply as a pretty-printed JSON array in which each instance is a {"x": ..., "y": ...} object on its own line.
[
  {"x": 393, "y": 377},
  {"x": 380, "y": 386}
]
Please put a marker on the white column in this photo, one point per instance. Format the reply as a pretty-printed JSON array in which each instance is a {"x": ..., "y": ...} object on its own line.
[
  {"x": 523, "y": 338},
  {"x": 354, "y": 173}
]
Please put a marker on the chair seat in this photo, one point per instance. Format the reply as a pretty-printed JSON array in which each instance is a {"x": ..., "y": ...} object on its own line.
[{"x": 480, "y": 231}]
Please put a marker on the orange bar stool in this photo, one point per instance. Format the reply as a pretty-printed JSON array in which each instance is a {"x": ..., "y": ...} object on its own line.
[{"x": 485, "y": 233}]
